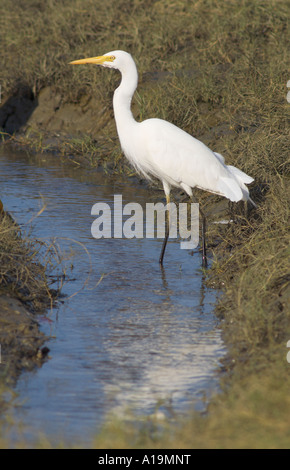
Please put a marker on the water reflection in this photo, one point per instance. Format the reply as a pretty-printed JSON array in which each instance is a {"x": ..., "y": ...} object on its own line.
[{"x": 142, "y": 336}]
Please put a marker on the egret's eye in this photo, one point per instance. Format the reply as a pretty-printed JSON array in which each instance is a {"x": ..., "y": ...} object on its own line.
[{"x": 112, "y": 58}]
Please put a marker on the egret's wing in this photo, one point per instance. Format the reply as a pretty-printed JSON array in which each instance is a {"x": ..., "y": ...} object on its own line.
[{"x": 177, "y": 157}]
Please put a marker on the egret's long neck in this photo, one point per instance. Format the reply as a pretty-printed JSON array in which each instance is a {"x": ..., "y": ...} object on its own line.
[{"x": 123, "y": 97}]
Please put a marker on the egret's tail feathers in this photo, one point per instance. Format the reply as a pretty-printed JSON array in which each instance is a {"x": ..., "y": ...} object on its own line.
[
  {"x": 234, "y": 186},
  {"x": 230, "y": 188},
  {"x": 235, "y": 190},
  {"x": 243, "y": 177}
]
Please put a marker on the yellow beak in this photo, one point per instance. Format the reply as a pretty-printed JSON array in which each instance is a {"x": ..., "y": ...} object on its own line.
[{"x": 93, "y": 60}]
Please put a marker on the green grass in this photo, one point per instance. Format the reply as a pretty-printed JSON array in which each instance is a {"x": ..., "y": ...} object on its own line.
[{"x": 222, "y": 71}]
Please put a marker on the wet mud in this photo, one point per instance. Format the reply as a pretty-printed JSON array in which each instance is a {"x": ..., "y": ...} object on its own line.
[{"x": 23, "y": 345}]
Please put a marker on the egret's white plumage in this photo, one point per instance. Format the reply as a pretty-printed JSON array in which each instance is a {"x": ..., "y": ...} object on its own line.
[{"x": 160, "y": 149}]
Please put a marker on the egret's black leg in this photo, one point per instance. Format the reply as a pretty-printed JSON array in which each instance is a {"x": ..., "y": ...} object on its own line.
[
  {"x": 203, "y": 234},
  {"x": 164, "y": 244},
  {"x": 167, "y": 227}
]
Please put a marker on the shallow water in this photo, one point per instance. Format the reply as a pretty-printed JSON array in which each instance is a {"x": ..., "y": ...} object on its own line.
[{"x": 134, "y": 336}]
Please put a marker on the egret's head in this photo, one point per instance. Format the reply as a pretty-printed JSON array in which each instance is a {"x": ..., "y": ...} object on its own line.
[{"x": 113, "y": 59}]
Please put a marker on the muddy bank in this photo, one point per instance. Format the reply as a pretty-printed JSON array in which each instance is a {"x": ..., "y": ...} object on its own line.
[
  {"x": 24, "y": 293},
  {"x": 23, "y": 345},
  {"x": 46, "y": 123},
  {"x": 47, "y": 112}
]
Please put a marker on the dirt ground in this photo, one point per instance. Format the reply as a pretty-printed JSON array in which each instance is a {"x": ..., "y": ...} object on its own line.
[{"x": 23, "y": 345}]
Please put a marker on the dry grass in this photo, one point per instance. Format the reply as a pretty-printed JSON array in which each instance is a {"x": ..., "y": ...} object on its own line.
[{"x": 25, "y": 265}]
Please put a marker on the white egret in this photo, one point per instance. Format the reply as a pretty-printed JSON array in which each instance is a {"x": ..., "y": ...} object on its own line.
[{"x": 160, "y": 149}]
